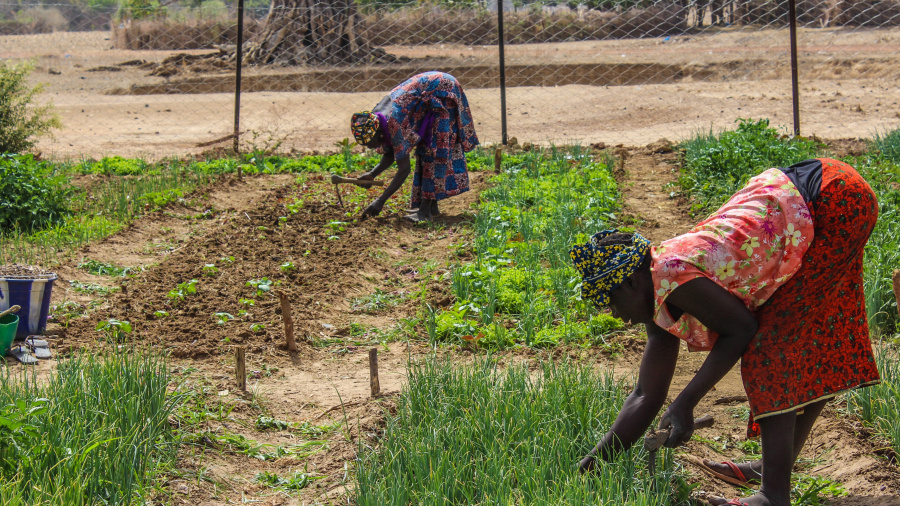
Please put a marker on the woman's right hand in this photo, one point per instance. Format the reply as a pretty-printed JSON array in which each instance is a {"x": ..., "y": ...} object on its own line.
[
  {"x": 368, "y": 176},
  {"x": 374, "y": 208}
]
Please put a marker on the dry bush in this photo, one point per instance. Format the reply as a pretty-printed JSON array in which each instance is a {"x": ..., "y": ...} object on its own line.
[
  {"x": 35, "y": 20},
  {"x": 422, "y": 26},
  {"x": 177, "y": 35}
]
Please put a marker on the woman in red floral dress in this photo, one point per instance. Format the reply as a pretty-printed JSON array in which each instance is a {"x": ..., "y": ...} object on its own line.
[{"x": 774, "y": 278}]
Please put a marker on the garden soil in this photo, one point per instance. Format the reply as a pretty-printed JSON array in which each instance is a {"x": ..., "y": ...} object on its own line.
[{"x": 246, "y": 228}]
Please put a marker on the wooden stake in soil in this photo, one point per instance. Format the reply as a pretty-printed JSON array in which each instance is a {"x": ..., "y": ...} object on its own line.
[
  {"x": 373, "y": 372},
  {"x": 288, "y": 321},
  {"x": 896, "y": 280},
  {"x": 240, "y": 368},
  {"x": 497, "y": 160}
]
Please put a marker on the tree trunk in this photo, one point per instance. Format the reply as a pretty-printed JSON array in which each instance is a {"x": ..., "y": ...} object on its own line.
[{"x": 299, "y": 32}]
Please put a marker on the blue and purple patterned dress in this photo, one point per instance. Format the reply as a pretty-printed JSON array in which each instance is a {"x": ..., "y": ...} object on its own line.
[{"x": 430, "y": 112}]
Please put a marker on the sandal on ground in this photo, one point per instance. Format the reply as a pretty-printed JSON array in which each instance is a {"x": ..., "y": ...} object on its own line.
[
  {"x": 39, "y": 347},
  {"x": 22, "y": 354},
  {"x": 738, "y": 479}
]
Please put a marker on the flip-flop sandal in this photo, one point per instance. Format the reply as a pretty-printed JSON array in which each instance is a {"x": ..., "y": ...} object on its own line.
[
  {"x": 39, "y": 347},
  {"x": 738, "y": 479},
  {"x": 22, "y": 354}
]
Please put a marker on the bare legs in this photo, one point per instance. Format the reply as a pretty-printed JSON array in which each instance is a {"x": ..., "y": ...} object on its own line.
[{"x": 783, "y": 436}]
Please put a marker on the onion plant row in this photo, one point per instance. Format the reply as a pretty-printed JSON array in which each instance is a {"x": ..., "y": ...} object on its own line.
[
  {"x": 878, "y": 405},
  {"x": 95, "y": 432},
  {"x": 717, "y": 165},
  {"x": 521, "y": 287},
  {"x": 480, "y": 434}
]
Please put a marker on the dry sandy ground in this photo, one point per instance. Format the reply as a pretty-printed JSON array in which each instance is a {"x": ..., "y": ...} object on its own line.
[{"x": 848, "y": 89}]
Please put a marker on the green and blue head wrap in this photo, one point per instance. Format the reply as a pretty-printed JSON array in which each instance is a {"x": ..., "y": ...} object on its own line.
[{"x": 604, "y": 267}]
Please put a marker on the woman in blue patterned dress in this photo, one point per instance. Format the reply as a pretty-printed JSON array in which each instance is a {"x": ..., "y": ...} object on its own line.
[{"x": 428, "y": 112}]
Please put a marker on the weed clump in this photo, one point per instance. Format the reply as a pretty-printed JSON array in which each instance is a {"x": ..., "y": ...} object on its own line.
[{"x": 718, "y": 165}]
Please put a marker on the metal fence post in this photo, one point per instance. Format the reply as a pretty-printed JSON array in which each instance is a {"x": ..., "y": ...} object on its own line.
[
  {"x": 503, "y": 134},
  {"x": 795, "y": 85},
  {"x": 239, "y": 57}
]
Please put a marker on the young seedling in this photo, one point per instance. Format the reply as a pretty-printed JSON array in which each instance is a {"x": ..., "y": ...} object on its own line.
[
  {"x": 183, "y": 290},
  {"x": 287, "y": 267},
  {"x": 222, "y": 318},
  {"x": 262, "y": 286},
  {"x": 115, "y": 330},
  {"x": 257, "y": 327},
  {"x": 210, "y": 270}
]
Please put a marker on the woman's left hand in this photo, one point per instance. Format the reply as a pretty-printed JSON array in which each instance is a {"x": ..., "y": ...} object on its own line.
[{"x": 680, "y": 419}]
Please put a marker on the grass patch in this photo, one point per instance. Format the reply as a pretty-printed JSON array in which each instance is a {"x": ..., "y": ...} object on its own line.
[
  {"x": 482, "y": 435},
  {"x": 96, "y": 432},
  {"x": 877, "y": 405}
]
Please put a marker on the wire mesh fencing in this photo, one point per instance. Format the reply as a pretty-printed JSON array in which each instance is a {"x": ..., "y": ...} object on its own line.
[{"x": 148, "y": 78}]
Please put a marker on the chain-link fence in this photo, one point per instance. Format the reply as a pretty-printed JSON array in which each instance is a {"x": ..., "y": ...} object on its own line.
[{"x": 157, "y": 78}]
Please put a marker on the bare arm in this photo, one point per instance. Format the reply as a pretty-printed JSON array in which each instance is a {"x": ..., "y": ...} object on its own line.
[
  {"x": 403, "y": 171},
  {"x": 387, "y": 159},
  {"x": 643, "y": 404},
  {"x": 725, "y": 314}
]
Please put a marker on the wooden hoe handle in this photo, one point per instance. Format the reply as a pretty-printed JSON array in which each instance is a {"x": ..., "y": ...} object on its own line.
[{"x": 335, "y": 179}]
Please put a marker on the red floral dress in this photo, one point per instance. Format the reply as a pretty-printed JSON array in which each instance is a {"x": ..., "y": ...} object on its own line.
[{"x": 805, "y": 287}]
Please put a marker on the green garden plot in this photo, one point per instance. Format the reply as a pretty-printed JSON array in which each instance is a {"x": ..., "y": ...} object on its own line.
[
  {"x": 44, "y": 218},
  {"x": 522, "y": 288},
  {"x": 486, "y": 435}
]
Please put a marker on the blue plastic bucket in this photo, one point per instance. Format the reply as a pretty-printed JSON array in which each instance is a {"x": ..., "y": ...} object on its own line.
[
  {"x": 8, "y": 326},
  {"x": 33, "y": 294}
]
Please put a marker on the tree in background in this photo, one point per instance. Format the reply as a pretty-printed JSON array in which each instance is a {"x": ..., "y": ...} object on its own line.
[
  {"x": 298, "y": 32},
  {"x": 20, "y": 121}
]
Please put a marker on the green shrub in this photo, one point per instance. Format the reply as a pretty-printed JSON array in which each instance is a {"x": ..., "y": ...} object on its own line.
[
  {"x": 19, "y": 123},
  {"x": 32, "y": 197},
  {"x": 717, "y": 166}
]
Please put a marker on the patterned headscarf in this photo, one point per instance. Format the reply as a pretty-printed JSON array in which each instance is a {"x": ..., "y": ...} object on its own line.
[
  {"x": 604, "y": 268},
  {"x": 364, "y": 126}
]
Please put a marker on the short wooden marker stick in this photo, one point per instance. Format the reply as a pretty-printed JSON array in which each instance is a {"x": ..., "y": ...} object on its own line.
[
  {"x": 896, "y": 280},
  {"x": 240, "y": 367},
  {"x": 288, "y": 321},
  {"x": 373, "y": 372}
]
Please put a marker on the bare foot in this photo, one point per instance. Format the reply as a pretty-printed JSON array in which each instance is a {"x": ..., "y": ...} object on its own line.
[
  {"x": 752, "y": 471},
  {"x": 754, "y": 500},
  {"x": 420, "y": 216}
]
